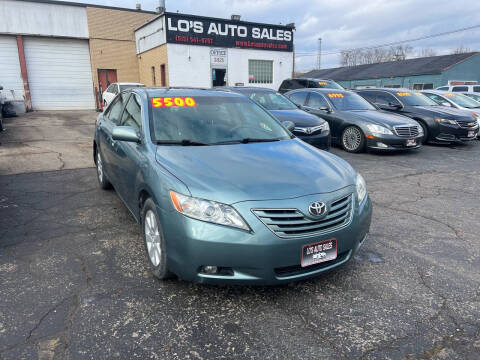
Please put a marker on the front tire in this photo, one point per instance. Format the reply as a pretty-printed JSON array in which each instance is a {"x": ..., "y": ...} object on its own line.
[
  {"x": 425, "y": 133},
  {"x": 155, "y": 245},
  {"x": 353, "y": 139},
  {"x": 102, "y": 179}
]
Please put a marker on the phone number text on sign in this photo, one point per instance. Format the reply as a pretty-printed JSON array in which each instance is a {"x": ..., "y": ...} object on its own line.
[{"x": 173, "y": 102}]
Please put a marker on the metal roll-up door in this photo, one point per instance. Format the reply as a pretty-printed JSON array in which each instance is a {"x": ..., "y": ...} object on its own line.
[
  {"x": 10, "y": 75},
  {"x": 59, "y": 73}
]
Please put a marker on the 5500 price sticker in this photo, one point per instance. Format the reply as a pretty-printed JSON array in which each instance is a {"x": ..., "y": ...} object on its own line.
[{"x": 173, "y": 102}]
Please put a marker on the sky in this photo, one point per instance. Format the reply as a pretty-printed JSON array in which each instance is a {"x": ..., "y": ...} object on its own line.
[{"x": 343, "y": 24}]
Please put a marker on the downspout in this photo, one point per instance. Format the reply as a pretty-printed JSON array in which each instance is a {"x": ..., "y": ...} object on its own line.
[{"x": 24, "y": 73}]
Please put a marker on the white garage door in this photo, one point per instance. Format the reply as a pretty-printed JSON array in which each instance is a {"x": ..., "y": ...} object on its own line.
[
  {"x": 10, "y": 76},
  {"x": 59, "y": 74}
]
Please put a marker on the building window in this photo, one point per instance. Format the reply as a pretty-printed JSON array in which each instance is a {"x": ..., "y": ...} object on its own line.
[
  {"x": 163, "y": 77},
  {"x": 394, "y": 86},
  {"x": 154, "y": 79},
  {"x": 260, "y": 71},
  {"x": 423, "y": 86}
]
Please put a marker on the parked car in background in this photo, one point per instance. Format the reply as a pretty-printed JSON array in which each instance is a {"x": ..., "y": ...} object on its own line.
[
  {"x": 301, "y": 83},
  {"x": 356, "y": 124},
  {"x": 474, "y": 96},
  {"x": 223, "y": 192},
  {"x": 116, "y": 88},
  {"x": 460, "y": 88},
  {"x": 455, "y": 100},
  {"x": 308, "y": 127},
  {"x": 440, "y": 124}
]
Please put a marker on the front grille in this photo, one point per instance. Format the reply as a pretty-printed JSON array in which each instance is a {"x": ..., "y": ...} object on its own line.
[
  {"x": 406, "y": 130},
  {"x": 299, "y": 270},
  {"x": 466, "y": 123},
  {"x": 293, "y": 223}
]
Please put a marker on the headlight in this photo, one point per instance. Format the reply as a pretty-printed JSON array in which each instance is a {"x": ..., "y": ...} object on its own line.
[
  {"x": 361, "y": 188},
  {"x": 325, "y": 126},
  {"x": 206, "y": 210},
  {"x": 377, "y": 129},
  {"x": 445, "y": 121}
]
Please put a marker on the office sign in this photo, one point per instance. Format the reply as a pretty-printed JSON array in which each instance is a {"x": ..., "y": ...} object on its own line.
[
  {"x": 218, "y": 57},
  {"x": 204, "y": 31}
]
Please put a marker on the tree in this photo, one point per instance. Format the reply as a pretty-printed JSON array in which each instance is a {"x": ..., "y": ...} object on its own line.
[
  {"x": 426, "y": 52},
  {"x": 461, "y": 50},
  {"x": 372, "y": 56}
]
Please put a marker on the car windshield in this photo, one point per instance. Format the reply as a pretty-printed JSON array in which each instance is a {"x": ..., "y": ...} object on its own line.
[
  {"x": 208, "y": 120},
  {"x": 321, "y": 84},
  {"x": 346, "y": 101},
  {"x": 473, "y": 96},
  {"x": 413, "y": 98},
  {"x": 462, "y": 100},
  {"x": 271, "y": 100}
]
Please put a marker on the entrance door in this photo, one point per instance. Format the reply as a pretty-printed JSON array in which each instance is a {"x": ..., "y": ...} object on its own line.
[
  {"x": 218, "y": 77},
  {"x": 105, "y": 78}
]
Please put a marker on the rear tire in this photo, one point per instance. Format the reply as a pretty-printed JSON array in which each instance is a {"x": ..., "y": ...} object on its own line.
[
  {"x": 353, "y": 139},
  {"x": 155, "y": 245},
  {"x": 101, "y": 177}
]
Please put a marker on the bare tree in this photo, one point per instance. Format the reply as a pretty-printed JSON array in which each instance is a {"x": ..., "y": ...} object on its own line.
[
  {"x": 372, "y": 56},
  {"x": 426, "y": 52},
  {"x": 461, "y": 50}
]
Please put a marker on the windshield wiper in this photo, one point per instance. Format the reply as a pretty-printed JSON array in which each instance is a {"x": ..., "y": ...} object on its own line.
[
  {"x": 184, "y": 142},
  {"x": 245, "y": 141}
]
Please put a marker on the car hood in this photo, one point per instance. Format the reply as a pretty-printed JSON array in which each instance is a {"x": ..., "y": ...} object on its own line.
[
  {"x": 256, "y": 171},
  {"x": 442, "y": 111},
  {"x": 298, "y": 117},
  {"x": 379, "y": 117}
]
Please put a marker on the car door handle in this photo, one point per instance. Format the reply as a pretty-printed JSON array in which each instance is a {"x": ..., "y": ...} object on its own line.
[{"x": 307, "y": 109}]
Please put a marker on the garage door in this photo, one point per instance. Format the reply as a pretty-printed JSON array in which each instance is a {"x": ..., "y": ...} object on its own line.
[
  {"x": 10, "y": 76},
  {"x": 59, "y": 74}
]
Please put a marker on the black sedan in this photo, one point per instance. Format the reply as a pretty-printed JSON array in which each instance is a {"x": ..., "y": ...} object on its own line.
[
  {"x": 355, "y": 123},
  {"x": 308, "y": 128},
  {"x": 440, "y": 124}
]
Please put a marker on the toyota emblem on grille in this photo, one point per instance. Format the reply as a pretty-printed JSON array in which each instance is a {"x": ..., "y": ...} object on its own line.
[{"x": 317, "y": 208}]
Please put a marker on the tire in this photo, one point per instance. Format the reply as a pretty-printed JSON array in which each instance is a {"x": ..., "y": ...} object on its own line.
[
  {"x": 101, "y": 177},
  {"x": 353, "y": 139},
  {"x": 154, "y": 242},
  {"x": 425, "y": 132}
]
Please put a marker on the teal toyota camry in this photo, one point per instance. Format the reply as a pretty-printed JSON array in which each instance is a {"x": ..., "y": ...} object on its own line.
[{"x": 224, "y": 192}]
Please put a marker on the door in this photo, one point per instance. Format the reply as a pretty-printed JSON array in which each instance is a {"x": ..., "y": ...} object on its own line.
[
  {"x": 318, "y": 105},
  {"x": 105, "y": 78},
  {"x": 110, "y": 119},
  {"x": 59, "y": 73},
  {"x": 218, "y": 77},
  {"x": 10, "y": 75},
  {"x": 130, "y": 157}
]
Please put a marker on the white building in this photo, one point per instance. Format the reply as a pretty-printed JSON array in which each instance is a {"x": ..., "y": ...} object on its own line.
[{"x": 197, "y": 51}]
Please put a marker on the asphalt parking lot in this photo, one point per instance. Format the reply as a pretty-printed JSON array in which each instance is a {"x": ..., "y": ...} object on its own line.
[{"x": 75, "y": 282}]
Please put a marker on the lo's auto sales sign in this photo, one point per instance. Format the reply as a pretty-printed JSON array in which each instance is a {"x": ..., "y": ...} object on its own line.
[{"x": 195, "y": 30}]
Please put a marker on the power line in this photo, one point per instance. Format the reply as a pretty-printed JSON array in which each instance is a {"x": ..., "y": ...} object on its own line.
[{"x": 333, "y": 52}]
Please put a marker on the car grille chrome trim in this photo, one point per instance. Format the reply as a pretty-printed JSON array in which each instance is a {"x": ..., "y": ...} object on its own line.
[
  {"x": 466, "y": 123},
  {"x": 288, "y": 223},
  {"x": 406, "y": 130},
  {"x": 307, "y": 130}
]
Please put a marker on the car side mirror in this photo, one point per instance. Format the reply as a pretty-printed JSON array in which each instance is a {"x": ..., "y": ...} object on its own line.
[
  {"x": 325, "y": 108},
  {"x": 445, "y": 103},
  {"x": 394, "y": 106},
  {"x": 125, "y": 133},
  {"x": 289, "y": 125}
]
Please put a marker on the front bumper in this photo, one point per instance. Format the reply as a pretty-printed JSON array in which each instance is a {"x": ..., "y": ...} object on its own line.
[
  {"x": 454, "y": 133},
  {"x": 259, "y": 257},
  {"x": 392, "y": 142},
  {"x": 321, "y": 140}
]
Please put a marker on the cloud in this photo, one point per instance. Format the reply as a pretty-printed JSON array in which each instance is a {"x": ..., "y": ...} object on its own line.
[{"x": 343, "y": 24}]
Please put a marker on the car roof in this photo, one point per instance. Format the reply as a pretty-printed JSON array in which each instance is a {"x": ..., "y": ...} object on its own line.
[
  {"x": 162, "y": 92},
  {"x": 440, "y": 92},
  {"x": 390, "y": 90},
  {"x": 129, "y": 83},
  {"x": 244, "y": 89},
  {"x": 312, "y": 79},
  {"x": 322, "y": 90}
]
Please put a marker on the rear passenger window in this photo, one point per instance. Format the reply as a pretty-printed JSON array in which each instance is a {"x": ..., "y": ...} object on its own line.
[
  {"x": 443, "y": 88},
  {"x": 460, "y": 88},
  {"x": 299, "y": 97},
  {"x": 286, "y": 85},
  {"x": 476, "y": 89}
]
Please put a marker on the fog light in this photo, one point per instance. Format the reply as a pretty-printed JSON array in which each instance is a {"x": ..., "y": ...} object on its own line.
[
  {"x": 208, "y": 269},
  {"x": 382, "y": 145}
]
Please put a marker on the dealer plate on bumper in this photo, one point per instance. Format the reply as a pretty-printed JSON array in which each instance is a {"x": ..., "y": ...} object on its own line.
[
  {"x": 319, "y": 252},
  {"x": 471, "y": 133},
  {"x": 412, "y": 142}
]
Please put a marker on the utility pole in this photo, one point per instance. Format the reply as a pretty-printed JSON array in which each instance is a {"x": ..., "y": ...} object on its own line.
[{"x": 319, "y": 54}]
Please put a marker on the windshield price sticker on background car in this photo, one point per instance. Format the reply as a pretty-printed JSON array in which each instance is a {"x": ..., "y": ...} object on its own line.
[
  {"x": 335, "y": 95},
  {"x": 403, "y": 94},
  {"x": 173, "y": 102},
  {"x": 322, "y": 83},
  {"x": 449, "y": 95}
]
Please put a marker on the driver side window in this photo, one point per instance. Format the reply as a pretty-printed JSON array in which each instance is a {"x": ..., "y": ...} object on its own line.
[
  {"x": 386, "y": 99},
  {"x": 317, "y": 101}
]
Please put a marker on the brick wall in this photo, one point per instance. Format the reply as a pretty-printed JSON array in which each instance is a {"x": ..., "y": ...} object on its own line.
[
  {"x": 153, "y": 58},
  {"x": 112, "y": 41}
]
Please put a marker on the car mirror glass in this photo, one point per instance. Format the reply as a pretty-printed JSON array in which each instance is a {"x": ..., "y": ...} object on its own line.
[
  {"x": 289, "y": 125},
  {"x": 445, "y": 103},
  {"x": 125, "y": 133}
]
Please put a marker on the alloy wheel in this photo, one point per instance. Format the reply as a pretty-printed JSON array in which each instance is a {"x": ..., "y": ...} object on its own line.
[
  {"x": 352, "y": 138},
  {"x": 152, "y": 238}
]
